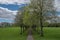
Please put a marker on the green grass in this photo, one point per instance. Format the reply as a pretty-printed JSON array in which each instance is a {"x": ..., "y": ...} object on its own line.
[
  {"x": 50, "y": 33},
  {"x": 12, "y": 33}
]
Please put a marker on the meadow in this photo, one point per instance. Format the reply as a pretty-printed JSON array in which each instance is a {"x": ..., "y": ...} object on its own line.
[
  {"x": 11, "y": 33},
  {"x": 50, "y": 33}
]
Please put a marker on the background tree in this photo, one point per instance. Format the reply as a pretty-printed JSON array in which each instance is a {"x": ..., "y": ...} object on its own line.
[{"x": 19, "y": 19}]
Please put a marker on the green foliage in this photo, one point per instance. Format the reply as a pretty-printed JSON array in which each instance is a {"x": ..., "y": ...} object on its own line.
[
  {"x": 45, "y": 24},
  {"x": 26, "y": 17}
]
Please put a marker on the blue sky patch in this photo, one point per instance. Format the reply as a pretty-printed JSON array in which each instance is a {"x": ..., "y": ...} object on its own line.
[
  {"x": 6, "y": 20},
  {"x": 12, "y": 6}
]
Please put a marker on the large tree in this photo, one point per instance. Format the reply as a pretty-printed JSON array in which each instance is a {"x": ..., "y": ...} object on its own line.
[{"x": 42, "y": 8}]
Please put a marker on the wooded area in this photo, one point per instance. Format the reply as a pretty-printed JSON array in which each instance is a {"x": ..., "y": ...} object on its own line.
[{"x": 35, "y": 14}]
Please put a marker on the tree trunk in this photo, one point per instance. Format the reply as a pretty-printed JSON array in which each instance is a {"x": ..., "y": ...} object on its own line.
[
  {"x": 41, "y": 18},
  {"x": 41, "y": 31},
  {"x": 41, "y": 25},
  {"x": 21, "y": 31},
  {"x": 41, "y": 22}
]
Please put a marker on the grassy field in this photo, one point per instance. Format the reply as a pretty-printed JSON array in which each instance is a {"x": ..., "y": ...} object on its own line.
[
  {"x": 49, "y": 34},
  {"x": 11, "y": 34}
]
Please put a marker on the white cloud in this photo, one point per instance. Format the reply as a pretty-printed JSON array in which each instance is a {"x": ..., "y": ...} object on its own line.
[
  {"x": 13, "y": 1},
  {"x": 7, "y": 10},
  {"x": 57, "y": 2},
  {"x": 6, "y": 13}
]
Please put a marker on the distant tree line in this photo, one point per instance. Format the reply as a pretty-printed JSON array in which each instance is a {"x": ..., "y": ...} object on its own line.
[{"x": 5, "y": 24}]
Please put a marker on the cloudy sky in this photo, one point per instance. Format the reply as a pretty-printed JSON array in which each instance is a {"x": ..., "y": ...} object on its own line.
[
  {"x": 57, "y": 2},
  {"x": 8, "y": 8}
]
